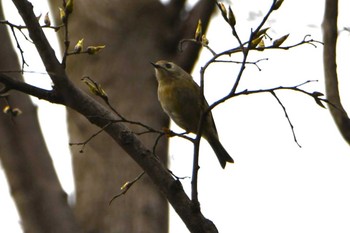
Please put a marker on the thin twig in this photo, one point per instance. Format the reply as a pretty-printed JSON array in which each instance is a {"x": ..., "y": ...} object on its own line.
[
  {"x": 84, "y": 143},
  {"x": 10, "y": 83},
  {"x": 125, "y": 188},
  {"x": 196, "y": 42},
  {"x": 239, "y": 62},
  {"x": 286, "y": 115}
]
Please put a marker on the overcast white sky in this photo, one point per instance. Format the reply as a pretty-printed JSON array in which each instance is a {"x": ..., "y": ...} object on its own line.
[{"x": 274, "y": 186}]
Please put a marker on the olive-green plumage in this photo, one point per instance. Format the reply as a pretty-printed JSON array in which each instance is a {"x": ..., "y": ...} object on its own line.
[{"x": 179, "y": 96}]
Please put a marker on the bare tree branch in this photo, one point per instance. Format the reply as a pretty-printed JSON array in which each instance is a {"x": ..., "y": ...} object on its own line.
[{"x": 18, "y": 85}]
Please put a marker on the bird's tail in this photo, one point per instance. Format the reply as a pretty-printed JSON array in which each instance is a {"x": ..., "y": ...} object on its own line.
[{"x": 220, "y": 151}]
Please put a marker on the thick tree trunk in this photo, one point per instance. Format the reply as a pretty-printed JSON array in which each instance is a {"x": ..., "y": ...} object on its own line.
[
  {"x": 330, "y": 35},
  {"x": 40, "y": 200},
  {"x": 127, "y": 29}
]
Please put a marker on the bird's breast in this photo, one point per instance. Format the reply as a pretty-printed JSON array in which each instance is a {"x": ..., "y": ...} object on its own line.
[
  {"x": 168, "y": 100},
  {"x": 181, "y": 105}
]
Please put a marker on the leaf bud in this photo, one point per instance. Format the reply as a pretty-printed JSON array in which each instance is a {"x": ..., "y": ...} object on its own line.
[
  {"x": 63, "y": 16},
  {"x": 204, "y": 40},
  {"x": 277, "y": 5},
  {"x": 6, "y": 109},
  {"x": 262, "y": 32},
  {"x": 223, "y": 10},
  {"x": 317, "y": 94},
  {"x": 12, "y": 111},
  {"x": 47, "y": 20},
  {"x": 94, "y": 49},
  {"x": 279, "y": 41},
  {"x": 256, "y": 42},
  {"x": 69, "y": 7},
  {"x": 79, "y": 46},
  {"x": 16, "y": 112},
  {"x": 231, "y": 17},
  {"x": 95, "y": 88},
  {"x": 125, "y": 186},
  {"x": 198, "y": 34}
]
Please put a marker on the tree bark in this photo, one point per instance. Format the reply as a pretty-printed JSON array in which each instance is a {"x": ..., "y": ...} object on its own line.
[
  {"x": 40, "y": 200},
  {"x": 330, "y": 35}
]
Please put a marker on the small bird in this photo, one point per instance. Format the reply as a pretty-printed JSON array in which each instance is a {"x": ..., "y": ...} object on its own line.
[{"x": 179, "y": 96}]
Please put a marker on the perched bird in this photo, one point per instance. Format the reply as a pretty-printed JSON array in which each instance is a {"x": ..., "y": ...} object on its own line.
[{"x": 179, "y": 96}]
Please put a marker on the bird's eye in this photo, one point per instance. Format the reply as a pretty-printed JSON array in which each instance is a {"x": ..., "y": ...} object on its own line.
[{"x": 168, "y": 66}]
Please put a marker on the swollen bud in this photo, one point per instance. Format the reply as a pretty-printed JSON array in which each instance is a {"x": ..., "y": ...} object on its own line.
[
  {"x": 198, "y": 34},
  {"x": 94, "y": 49},
  {"x": 231, "y": 17},
  {"x": 261, "y": 45},
  {"x": 261, "y": 32},
  {"x": 69, "y": 7},
  {"x": 47, "y": 20},
  {"x": 279, "y": 41},
  {"x": 12, "y": 111},
  {"x": 205, "y": 40},
  {"x": 277, "y": 4},
  {"x": 317, "y": 94},
  {"x": 79, "y": 46},
  {"x": 125, "y": 186},
  {"x": 63, "y": 16},
  {"x": 317, "y": 99},
  {"x": 256, "y": 42},
  {"x": 95, "y": 88},
  {"x": 6, "y": 109},
  {"x": 223, "y": 10},
  {"x": 16, "y": 112}
]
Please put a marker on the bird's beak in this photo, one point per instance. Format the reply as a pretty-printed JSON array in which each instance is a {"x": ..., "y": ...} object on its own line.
[{"x": 155, "y": 65}]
